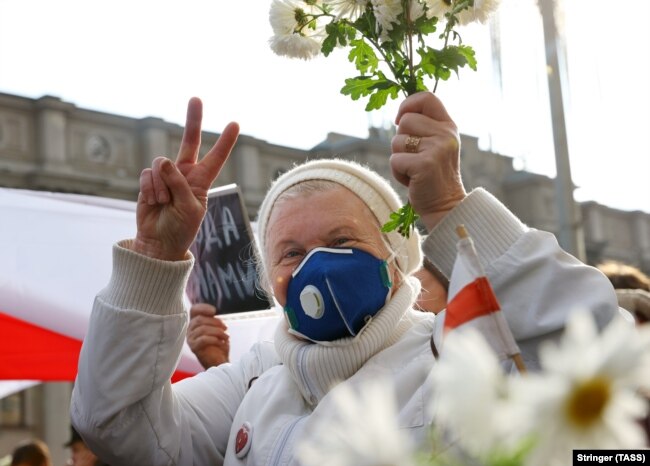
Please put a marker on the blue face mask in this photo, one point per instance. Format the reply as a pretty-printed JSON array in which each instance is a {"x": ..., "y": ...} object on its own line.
[{"x": 334, "y": 293}]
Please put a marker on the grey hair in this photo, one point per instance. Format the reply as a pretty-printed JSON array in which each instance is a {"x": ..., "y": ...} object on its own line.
[{"x": 295, "y": 191}]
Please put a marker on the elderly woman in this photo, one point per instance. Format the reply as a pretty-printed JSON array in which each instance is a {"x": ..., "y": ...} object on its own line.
[{"x": 347, "y": 290}]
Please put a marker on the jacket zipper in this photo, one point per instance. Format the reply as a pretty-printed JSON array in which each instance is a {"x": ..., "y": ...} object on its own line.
[
  {"x": 282, "y": 442},
  {"x": 305, "y": 379}
]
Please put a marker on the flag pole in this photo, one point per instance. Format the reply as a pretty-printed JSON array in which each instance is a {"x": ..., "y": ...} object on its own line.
[
  {"x": 462, "y": 233},
  {"x": 519, "y": 363}
]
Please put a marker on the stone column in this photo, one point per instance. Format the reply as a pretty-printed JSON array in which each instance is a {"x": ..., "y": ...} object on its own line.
[
  {"x": 641, "y": 237},
  {"x": 56, "y": 418},
  {"x": 594, "y": 232},
  {"x": 51, "y": 134},
  {"x": 154, "y": 141},
  {"x": 593, "y": 222},
  {"x": 249, "y": 175}
]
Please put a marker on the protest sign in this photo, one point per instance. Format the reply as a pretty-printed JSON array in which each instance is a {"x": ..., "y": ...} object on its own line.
[{"x": 224, "y": 272}]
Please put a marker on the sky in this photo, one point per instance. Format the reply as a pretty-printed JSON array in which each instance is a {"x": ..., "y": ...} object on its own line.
[{"x": 143, "y": 58}]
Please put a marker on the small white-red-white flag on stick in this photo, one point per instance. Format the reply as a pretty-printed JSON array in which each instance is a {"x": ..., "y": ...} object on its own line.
[{"x": 472, "y": 303}]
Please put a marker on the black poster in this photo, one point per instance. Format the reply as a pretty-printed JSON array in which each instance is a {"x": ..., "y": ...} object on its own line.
[{"x": 224, "y": 272}]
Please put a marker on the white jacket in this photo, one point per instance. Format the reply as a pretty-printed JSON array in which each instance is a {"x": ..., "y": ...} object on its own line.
[{"x": 128, "y": 412}]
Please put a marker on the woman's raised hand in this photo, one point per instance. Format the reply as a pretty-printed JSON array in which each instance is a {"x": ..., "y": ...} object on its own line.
[
  {"x": 173, "y": 195},
  {"x": 426, "y": 157}
]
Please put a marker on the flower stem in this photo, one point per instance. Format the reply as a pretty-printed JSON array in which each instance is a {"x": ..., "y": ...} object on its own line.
[
  {"x": 448, "y": 28},
  {"x": 412, "y": 86}
]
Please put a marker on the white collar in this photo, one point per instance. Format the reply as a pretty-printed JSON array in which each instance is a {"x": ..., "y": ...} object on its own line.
[{"x": 317, "y": 368}]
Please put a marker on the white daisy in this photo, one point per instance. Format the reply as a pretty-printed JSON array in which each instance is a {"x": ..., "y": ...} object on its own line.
[
  {"x": 292, "y": 37},
  {"x": 438, "y": 8},
  {"x": 348, "y": 9},
  {"x": 296, "y": 45},
  {"x": 386, "y": 13},
  {"x": 358, "y": 429},
  {"x": 471, "y": 392},
  {"x": 587, "y": 396},
  {"x": 480, "y": 11},
  {"x": 287, "y": 16}
]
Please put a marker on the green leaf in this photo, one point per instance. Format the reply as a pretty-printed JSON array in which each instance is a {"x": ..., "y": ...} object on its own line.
[
  {"x": 366, "y": 24},
  {"x": 357, "y": 87},
  {"x": 426, "y": 25},
  {"x": 379, "y": 98},
  {"x": 443, "y": 73},
  {"x": 468, "y": 53},
  {"x": 403, "y": 220},
  {"x": 395, "y": 37},
  {"x": 440, "y": 63},
  {"x": 430, "y": 62},
  {"x": 329, "y": 43},
  {"x": 346, "y": 33},
  {"x": 454, "y": 57},
  {"x": 350, "y": 31},
  {"x": 420, "y": 86},
  {"x": 377, "y": 86},
  {"x": 338, "y": 33},
  {"x": 363, "y": 56}
]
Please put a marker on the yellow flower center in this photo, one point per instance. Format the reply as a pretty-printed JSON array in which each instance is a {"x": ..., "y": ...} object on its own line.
[{"x": 586, "y": 403}]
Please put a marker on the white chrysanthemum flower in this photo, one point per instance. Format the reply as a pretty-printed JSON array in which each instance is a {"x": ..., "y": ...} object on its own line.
[
  {"x": 438, "y": 8},
  {"x": 386, "y": 13},
  {"x": 348, "y": 9},
  {"x": 286, "y": 16},
  {"x": 362, "y": 430},
  {"x": 480, "y": 11},
  {"x": 587, "y": 397},
  {"x": 472, "y": 395},
  {"x": 292, "y": 36},
  {"x": 295, "y": 46}
]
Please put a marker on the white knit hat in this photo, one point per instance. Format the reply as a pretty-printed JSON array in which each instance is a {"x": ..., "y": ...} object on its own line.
[{"x": 368, "y": 185}]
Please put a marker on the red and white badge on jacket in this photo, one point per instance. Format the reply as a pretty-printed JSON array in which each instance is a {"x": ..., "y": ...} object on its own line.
[{"x": 243, "y": 440}]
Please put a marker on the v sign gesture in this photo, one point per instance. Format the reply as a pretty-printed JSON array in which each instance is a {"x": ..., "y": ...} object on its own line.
[{"x": 173, "y": 195}]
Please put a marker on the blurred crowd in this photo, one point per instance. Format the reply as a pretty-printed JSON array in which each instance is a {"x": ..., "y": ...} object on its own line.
[{"x": 35, "y": 452}]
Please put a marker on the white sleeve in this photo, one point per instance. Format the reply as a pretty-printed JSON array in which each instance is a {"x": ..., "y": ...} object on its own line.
[
  {"x": 536, "y": 282},
  {"x": 123, "y": 403}
]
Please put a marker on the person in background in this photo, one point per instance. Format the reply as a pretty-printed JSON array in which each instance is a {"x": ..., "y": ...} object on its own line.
[
  {"x": 433, "y": 294},
  {"x": 346, "y": 287},
  {"x": 632, "y": 288},
  {"x": 207, "y": 336},
  {"x": 31, "y": 453},
  {"x": 80, "y": 454}
]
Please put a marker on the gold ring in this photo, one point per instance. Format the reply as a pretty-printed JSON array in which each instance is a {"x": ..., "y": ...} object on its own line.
[{"x": 412, "y": 143}]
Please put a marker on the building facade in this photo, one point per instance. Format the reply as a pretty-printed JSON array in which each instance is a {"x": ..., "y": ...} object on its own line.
[{"x": 52, "y": 145}]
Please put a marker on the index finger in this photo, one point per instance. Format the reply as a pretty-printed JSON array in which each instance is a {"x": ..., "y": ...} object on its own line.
[
  {"x": 191, "y": 142},
  {"x": 218, "y": 154},
  {"x": 426, "y": 103}
]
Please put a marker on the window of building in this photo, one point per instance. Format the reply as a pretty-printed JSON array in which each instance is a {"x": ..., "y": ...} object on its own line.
[{"x": 12, "y": 410}]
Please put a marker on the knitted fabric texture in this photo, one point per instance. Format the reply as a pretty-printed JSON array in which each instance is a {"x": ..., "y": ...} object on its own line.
[
  {"x": 317, "y": 368},
  {"x": 369, "y": 186}
]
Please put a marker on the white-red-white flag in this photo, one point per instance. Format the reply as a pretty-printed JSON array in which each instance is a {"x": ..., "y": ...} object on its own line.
[
  {"x": 471, "y": 302},
  {"x": 55, "y": 254}
]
